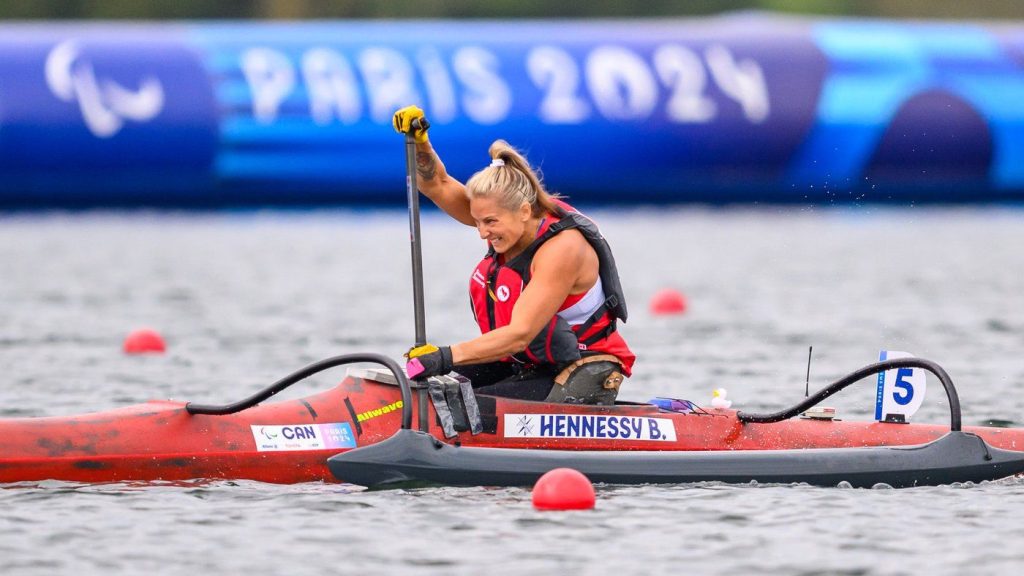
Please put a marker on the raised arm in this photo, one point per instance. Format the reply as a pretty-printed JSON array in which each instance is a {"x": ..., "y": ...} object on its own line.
[
  {"x": 431, "y": 177},
  {"x": 434, "y": 182}
]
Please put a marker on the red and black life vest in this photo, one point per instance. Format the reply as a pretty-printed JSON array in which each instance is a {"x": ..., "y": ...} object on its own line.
[{"x": 495, "y": 287}]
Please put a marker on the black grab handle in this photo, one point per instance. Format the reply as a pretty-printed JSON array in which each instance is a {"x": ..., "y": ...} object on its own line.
[
  {"x": 306, "y": 372},
  {"x": 954, "y": 399}
]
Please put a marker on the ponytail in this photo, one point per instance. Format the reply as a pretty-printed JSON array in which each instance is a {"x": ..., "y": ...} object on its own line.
[{"x": 512, "y": 181}]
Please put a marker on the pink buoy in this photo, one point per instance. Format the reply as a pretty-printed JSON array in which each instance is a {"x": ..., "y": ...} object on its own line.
[
  {"x": 144, "y": 341},
  {"x": 563, "y": 489},
  {"x": 667, "y": 301}
]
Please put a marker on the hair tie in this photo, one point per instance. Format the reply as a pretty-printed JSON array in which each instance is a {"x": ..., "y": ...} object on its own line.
[{"x": 497, "y": 162}]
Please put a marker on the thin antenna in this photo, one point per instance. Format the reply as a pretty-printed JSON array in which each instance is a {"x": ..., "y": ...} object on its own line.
[{"x": 807, "y": 388}]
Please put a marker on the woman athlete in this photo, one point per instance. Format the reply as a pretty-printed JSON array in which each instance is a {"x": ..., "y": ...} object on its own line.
[{"x": 546, "y": 295}]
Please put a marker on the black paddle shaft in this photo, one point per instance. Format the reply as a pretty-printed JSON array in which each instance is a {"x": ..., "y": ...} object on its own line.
[{"x": 414, "y": 233}]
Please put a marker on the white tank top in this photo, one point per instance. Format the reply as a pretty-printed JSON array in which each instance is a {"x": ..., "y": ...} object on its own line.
[{"x": 579, "y": 312}]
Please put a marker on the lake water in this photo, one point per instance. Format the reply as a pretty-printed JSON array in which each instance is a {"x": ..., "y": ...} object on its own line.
[{"x": 244, "y": 298}]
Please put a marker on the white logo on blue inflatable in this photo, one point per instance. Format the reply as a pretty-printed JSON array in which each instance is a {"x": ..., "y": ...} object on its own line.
[{"x": 105, "y": 104}]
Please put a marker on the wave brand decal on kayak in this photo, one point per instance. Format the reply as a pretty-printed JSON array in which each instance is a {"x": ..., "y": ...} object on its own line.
[
  {"x": 364, "y": 416},
  {"x": 598, "y": 426},
  {"x": 276, "y": 438}
]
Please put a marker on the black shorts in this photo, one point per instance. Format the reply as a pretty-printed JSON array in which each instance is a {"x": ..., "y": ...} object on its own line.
[
  {"x": 583, "y": 386},
  {"x": 510, "y": 380}
]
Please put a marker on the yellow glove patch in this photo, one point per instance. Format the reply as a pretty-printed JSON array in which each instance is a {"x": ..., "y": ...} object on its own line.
[
  {"x": 402, "y": 121},
  {"x": 420, "y": 351}
]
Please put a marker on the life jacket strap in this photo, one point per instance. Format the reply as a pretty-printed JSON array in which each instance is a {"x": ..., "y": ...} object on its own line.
[{"x": 605, "y": 309}]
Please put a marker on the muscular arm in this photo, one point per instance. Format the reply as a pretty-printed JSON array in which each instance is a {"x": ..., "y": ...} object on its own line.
[
  {"x": 556, "y": 269},
  {"x": 433, "y": 181}
]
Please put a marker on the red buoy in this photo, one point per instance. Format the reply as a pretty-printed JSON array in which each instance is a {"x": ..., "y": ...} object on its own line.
[
  {"x": 144, "y": 341},
  {"x": 668, "y": 301},
  {"x": 563, "y": 489}
]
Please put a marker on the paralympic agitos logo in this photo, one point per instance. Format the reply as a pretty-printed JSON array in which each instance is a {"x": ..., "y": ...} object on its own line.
[{"x": 105, "y": 104}]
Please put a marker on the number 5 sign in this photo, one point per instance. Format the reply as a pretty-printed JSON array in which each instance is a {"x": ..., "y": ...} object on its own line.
[{"x": 900, "y": 391}]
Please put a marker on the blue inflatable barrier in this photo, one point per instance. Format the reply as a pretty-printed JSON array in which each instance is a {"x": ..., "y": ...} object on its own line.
[{"x": 729, "y": 109}]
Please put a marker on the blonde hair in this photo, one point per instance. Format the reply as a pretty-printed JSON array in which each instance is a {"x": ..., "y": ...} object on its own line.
[{"x": 511, "y": 181}]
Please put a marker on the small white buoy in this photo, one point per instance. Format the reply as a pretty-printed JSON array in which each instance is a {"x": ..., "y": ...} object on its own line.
[
  {"x": 820, "y": 413},
  {"x": 718, "y": 398}
]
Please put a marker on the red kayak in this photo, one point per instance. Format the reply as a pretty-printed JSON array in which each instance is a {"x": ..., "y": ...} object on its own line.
[{"x": 291, "y": 441}]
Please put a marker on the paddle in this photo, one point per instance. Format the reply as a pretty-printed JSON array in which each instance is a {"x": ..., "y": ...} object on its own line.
[{"x": 414, "y": 234}]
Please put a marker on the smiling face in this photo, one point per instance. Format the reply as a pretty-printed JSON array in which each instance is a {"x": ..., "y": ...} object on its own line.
[{"x": 504, "y": 229}]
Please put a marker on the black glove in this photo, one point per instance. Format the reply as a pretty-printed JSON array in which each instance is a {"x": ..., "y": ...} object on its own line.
[{"x": 428, "y": 360}]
